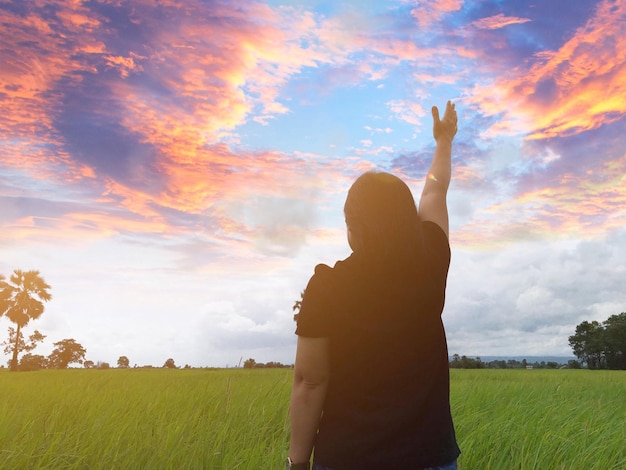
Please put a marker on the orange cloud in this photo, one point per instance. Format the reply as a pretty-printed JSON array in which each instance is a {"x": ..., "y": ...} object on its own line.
[
  {"x": 29, "y": 101},
  {"x": 78, "y": 227},
  {"x": 126, "y": 65},
  {"x": 75, "y": 21},
  {"x": 579, "y": 87}
]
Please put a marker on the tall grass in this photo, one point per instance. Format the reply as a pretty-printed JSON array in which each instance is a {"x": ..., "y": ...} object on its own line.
[
  {"x": 540, "y": 419},
  {"x": 236, "y": 419},
  {"x": 143, "y": 419}
]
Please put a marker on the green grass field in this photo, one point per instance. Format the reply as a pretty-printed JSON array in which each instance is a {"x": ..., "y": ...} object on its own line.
[{"x": 236, "y": 419}]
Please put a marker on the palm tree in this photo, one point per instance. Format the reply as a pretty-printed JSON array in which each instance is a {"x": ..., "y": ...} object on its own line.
[{"x": 21, "y": 299}]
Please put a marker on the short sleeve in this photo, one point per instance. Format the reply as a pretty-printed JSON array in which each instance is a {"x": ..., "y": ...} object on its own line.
[
  {"x": 438, "y": 247},
  {"x": 317, "y": 305}
]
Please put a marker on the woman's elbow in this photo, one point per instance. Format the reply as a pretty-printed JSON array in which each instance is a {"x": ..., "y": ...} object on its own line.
[{"x": 311, "y": 382}]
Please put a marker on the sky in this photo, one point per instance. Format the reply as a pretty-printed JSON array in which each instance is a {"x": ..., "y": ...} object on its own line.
[{"x": 176, "y": 169}]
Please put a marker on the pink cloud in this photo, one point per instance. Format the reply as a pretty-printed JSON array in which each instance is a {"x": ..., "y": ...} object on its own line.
[
  {"x": 498, "y": 21},
  {"x": 583, "y": 206},
  {"x": 408, "y": 111},
  {"x": 428, "y": 13}
]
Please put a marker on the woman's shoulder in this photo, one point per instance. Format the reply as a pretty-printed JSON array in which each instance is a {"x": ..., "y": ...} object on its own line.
[
  {"x": 341, "y": 272},
  {"x": 322, "y": 269},
  {"x": 340, "y": 266}
]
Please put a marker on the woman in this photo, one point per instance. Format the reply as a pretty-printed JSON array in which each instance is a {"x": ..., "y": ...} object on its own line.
[{"x": 371, "y": 381}]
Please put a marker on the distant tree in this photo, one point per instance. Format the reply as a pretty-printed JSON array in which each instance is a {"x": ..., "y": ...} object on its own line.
[
  {"x": 587, "y": 343},
  {"x": 465, "y": 362},
  {"x": 455, "y": 363},
  {"x": 513, "y": 364},
  {"x": 21, "y": 300},
  {"x": 249, "y": 364},
  {"x": 16, "y": 340},
  {"x": 66, "y": 352},
  {"x": 169, "y": 364},
  {"x": 123, "y": 362},
  {"x": 102, "y": 365},
  {"x": 615, "y": 341},
  {"x": 274, "y": 365},
  {"x": 30, "y": 362},
  {"x": 601, "y": 346},
  {"x": 88, "y": 365}
]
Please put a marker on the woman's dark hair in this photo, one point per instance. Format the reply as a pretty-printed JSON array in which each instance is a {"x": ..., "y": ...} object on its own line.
[{"x": 383, "y": 220}]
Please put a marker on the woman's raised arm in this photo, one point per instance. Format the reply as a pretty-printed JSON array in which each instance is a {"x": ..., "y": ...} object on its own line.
[{"x": 433, "y": 206}]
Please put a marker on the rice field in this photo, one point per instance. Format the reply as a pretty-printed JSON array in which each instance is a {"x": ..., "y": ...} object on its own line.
[
  {"x": 540, "y": 419},
  {"x": 237, "y": 419}
]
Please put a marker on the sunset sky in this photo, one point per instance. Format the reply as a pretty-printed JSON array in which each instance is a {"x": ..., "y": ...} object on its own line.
[{"x": 175, "y": 169}]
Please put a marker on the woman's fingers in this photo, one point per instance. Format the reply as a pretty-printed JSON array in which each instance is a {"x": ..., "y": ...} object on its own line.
[
  {"x": 450, "y": 112},
  {"x": 435, "y": 112}
]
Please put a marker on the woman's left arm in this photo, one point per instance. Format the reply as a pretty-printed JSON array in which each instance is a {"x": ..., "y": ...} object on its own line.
[{"x": 310, "y": 382}]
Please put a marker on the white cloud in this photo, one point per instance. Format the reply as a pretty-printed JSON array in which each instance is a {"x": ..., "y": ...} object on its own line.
[{"x": 528, "y": 298}]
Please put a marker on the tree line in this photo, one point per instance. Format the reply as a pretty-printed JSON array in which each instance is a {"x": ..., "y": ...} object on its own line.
[
  {"x": 65, "y": 352},
  {"x": 464, "y": 362},
  {"x": 252, "y": 364},
  {"x": 601, "y": 345}
]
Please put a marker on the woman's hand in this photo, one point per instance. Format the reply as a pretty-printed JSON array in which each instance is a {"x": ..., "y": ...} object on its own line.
[{"x": 445, "y": 128}]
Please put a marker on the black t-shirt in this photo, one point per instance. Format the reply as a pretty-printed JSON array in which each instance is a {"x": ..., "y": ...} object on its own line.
[{"x": 387, "y": 404}]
